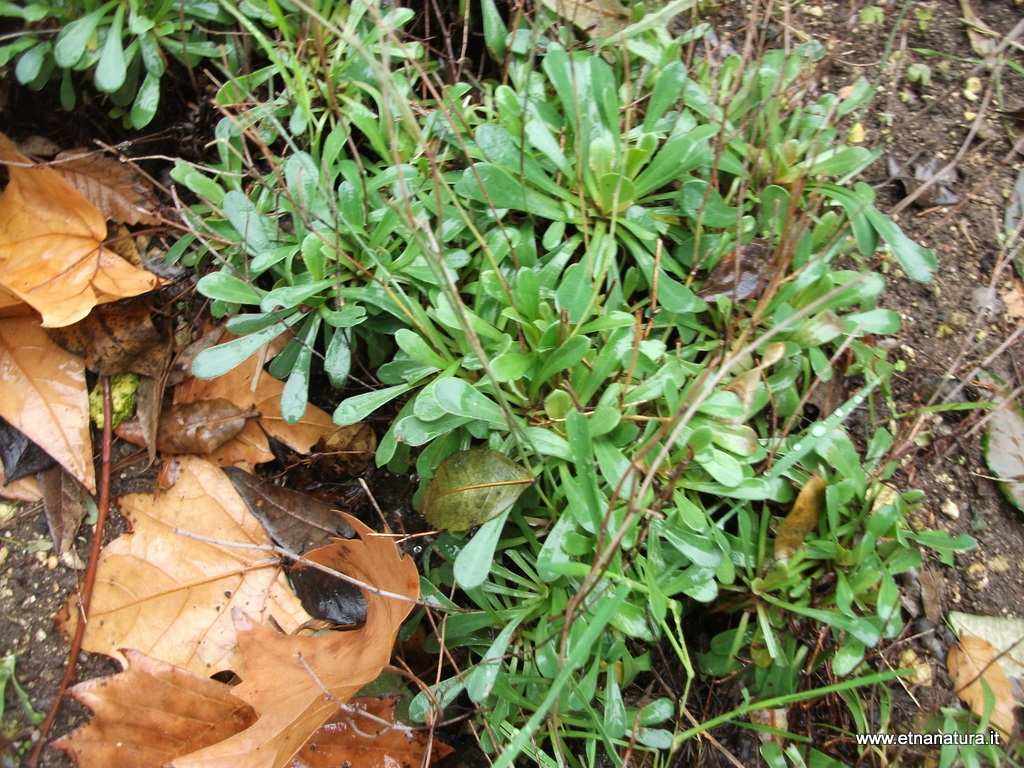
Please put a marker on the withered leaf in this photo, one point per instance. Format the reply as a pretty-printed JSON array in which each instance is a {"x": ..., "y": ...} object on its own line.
[
  {"x": 64, "y": 500},
  {"x": 937, "y": 192},
  {"x": 116, "y": 187},
  {"x": 324, "y": 595},
  {"x": 352, "y": 738},
  {"x": 597, "y": 18},
  {"x": 741, "y": 274},
  {"x": 151, "y": 713},
  {"x": 20, "y": 456},
  {"x": 971, "y": 664},
  {"x": 43, "y": 395},
  {"x": 983, "y": 38},
  {"x": 164, "y": 592},
  {"x": 297, "y": 522},
  {"x": 288, "y": 675},
  {"x": 801, "y": 520},
  {"x": 249, "y": 387},
  {"x": 199, "y": 428},
  {"x": 148, "y": 404},
  {"x": 116, "y": 338},
  {"x": 345, "y": 452},
  {"x": 51, "y": 246},
  {"x": 24, "y": 489}
]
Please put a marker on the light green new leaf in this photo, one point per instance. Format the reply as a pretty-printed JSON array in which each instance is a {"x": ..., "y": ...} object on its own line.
[{"x": 112, "y": 69}]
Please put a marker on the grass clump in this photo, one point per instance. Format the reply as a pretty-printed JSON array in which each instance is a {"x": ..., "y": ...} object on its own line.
[{"x": 652, "y": 287}]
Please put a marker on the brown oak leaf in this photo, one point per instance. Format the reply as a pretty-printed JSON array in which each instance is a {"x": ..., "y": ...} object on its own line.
[
  {"x": 293, "y": 683},
  {"x": 162, "y": 591}
]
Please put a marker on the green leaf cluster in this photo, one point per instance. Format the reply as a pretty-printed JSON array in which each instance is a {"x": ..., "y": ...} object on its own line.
[
  {"x": 521, "y": 265},
  {"x": 124, "y": 48}
]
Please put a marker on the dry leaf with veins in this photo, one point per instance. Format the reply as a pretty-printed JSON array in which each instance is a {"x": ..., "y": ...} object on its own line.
[
  {"x": 170, "y": 595},
  {"x": 971, "y": 664},
  {"x": 43, "y": 394},
  {"x": 287, "y": 675},
  {"x": 249, "y": 387},
  {"x": 150, "y": 714},
  {"x": 118, "y": 189},
  {"x": 51, "y": 246}
]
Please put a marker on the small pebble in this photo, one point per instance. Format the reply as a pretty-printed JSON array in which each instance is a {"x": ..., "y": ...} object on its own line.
[
  {"x": 950, "y": 509},
  {"x": 40, "y": 635},
  {"x": 998, "y": 564},
  {"x": 977, "y": 576}
]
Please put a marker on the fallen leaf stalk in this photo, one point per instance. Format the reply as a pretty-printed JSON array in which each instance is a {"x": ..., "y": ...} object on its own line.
[{"x": 89, "y": 579}]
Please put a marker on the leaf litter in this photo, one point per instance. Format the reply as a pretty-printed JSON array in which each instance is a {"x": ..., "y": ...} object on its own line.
[{"x": 194, "y": 580}]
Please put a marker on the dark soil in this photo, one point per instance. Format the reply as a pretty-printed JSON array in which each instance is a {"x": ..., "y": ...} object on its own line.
[{"x": 947, "y": 332}]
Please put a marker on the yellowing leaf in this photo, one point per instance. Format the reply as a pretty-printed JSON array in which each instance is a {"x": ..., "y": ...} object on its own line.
[
  {"x": 51, "y": 246},
  {"x": 43, "y": 394},
  {"x": 801, "y": 520},
  {"x": 288, "y": 675},
  {"x": 170, "y": 595},
  {"x": 971, "y": 664},
  {"x": 471, "y": 487},
  {"x": 150, "y": 714}
]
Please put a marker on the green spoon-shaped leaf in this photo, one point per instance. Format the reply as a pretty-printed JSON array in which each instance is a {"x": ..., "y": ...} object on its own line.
[{"x": 471, "y": 487}]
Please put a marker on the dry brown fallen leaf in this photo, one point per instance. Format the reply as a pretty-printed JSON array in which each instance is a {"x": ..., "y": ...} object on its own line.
[
  {"x": 64, "y": 502},
  {"x": 170, "y": 595},
  {"x": 288, "y": 675},
  {"x": 294, "y": 520},
  {"x": 199, "y": 427},
  {"x": 118, "y": 189},
  {"x": 249, "y": 387},
  {"x": 1013, "y": 298},
  {"x": 801, "y": 520},
  {"x": 43, "y": 394},
  {"x": 350, "y": 738},
  {"x": 22, "y": 489},
  {"x": 117, "y": 338},
  {"x": 51, "y": 246},
  {"x": 972, "y": 662},
  {"x": 151, "y": 713}
]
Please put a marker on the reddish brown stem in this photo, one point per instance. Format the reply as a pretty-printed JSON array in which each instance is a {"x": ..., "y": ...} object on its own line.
[{"x": 88, "y": 580}]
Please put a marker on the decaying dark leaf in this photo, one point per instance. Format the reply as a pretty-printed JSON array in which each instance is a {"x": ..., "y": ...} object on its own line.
[
  {"x": 118, "y": 189},
  {"x": 801, "y": 520},
  {"x": 20, "y": 456},
  {"x": 471, "y": 487},
  {"x": 938, "y": 191},
  {"x": 116, "y": 338},
  {"x": 345, "y": 452},
  {"x": 740, "y": 274},
  {"x": 64, "y": 500},
  {"x": 199, "y": 428},
  {"x": 294, "y": 520},
  {"x": 148, "y": 403},
  {"x": 325, "y": 596}
]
